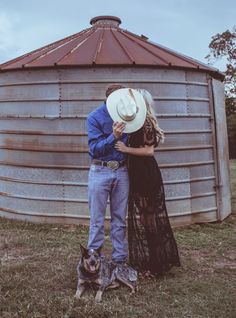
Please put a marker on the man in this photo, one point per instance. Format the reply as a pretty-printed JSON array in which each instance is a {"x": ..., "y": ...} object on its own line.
[{"x": 108, "y": 178}]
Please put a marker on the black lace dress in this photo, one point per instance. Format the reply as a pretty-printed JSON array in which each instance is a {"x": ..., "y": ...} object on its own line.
[{"x": 152, "y": 246}]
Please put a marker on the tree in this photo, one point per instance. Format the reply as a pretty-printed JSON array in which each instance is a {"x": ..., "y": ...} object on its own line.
[{"x": 223, "y": 46}]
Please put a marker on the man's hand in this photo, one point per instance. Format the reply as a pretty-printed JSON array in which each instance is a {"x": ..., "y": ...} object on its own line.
[{"x": 118, "y": 129}]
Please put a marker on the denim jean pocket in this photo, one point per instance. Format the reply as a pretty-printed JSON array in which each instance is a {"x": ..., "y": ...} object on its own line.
[{"x": 95, "y": 168}]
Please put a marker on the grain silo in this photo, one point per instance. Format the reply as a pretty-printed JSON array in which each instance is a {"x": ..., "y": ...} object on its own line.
[{"x": 45, "y": 96}]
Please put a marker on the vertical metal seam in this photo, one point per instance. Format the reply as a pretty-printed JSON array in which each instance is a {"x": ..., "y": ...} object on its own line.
[
  {"x": 63, "y": 192},
  {"x": 214, "y": 142},
  {"x": 60, "y": 94},
  {"x": 187, "y": 109},
  {"x": 187, "y": 92},
  {"x": 60, "y": 118}
]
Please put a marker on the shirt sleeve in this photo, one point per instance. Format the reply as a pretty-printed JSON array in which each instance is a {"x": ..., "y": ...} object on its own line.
[{"x": 98, "y": 143}]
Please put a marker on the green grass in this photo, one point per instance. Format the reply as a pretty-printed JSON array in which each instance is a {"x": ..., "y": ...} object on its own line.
[{"x": 38, "y": 274}]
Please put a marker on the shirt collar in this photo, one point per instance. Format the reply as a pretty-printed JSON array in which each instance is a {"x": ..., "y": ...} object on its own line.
[{"x": 104, "y": 108}]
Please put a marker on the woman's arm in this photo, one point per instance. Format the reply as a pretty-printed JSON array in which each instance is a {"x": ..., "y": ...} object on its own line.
[{"x": 142, "y": 151}]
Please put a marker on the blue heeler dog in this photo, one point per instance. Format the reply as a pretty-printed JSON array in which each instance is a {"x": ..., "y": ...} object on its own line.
[{"x": 97, "y": 272}]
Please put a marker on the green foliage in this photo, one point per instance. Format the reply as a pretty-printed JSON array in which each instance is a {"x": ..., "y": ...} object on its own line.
[
  {"x": 231, "y": 125},
  {"x": 230, "y": 105},
  {"x": 223, "y": 46}
]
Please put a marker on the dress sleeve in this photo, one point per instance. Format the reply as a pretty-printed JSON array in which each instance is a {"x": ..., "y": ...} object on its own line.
[{"x": 149, "y": 134}]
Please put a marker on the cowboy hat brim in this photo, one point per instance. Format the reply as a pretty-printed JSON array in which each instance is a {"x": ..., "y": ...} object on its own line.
[{"x": 115, "y": 97}]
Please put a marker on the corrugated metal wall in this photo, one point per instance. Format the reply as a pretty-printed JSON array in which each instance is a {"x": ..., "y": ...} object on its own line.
[{"x": 43, "y": 140}]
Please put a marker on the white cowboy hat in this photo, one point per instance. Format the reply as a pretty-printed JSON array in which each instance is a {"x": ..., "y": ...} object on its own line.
[{"x": 127, "y": 105}]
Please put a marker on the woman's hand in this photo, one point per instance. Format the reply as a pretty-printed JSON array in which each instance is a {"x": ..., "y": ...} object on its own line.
[{"x": 120, "y": 146}]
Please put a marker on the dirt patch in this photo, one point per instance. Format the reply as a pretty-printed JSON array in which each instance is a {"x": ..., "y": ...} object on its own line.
[
  {"x": 16, "y": 255},
  {"x": 230, "y": 254},
  {"x": 209, "y": 261},
  {"x": 227, "y": 261},
  {"x": 197, "y": 256},
  {"x": 224, "y": 264}
]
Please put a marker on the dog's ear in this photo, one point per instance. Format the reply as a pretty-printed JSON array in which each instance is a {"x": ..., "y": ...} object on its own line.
[
  {"x": 83, "y": 250},
  {"x": 98, "y": 250}
]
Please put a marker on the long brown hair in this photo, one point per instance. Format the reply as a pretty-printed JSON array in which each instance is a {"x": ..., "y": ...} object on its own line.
[{"x": 151, "y": 114}]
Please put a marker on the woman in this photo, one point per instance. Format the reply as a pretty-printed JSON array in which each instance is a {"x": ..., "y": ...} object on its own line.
[{"x": 152, "y": 246}]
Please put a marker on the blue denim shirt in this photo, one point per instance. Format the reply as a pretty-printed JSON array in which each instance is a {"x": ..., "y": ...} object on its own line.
[{"x": 101, "y": 140}]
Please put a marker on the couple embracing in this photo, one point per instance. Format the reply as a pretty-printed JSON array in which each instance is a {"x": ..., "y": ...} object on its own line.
[{"x": 122, "y": 135}]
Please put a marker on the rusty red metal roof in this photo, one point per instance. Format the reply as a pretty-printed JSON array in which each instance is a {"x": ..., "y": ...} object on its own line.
[{"x": 105, "y": 44}]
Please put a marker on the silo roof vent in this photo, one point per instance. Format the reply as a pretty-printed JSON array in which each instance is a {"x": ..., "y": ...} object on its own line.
[{"x": 104, "y": 20}]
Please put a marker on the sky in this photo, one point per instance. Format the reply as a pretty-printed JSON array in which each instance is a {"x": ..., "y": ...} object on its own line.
[{"x": 185, "y": 26}]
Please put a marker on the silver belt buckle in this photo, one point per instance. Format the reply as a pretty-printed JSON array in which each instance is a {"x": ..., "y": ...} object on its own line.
[{"x": 113, "y": 164}]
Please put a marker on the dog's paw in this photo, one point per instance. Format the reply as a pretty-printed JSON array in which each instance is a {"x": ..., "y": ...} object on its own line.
[
  {"x": 77, "y": 295},
  {"x": 134, "y": 290},
  {"x": 98, "y": 297},
  {"x": 98, "y": 300},
  {"x": 113, "y": 285}
]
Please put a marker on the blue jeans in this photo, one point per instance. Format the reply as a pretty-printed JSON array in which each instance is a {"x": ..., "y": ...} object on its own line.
[{"x": 104, "y": 183}]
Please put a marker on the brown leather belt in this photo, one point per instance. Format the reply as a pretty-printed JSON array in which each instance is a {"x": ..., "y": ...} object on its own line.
[{"x": 113, "y": 164}]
